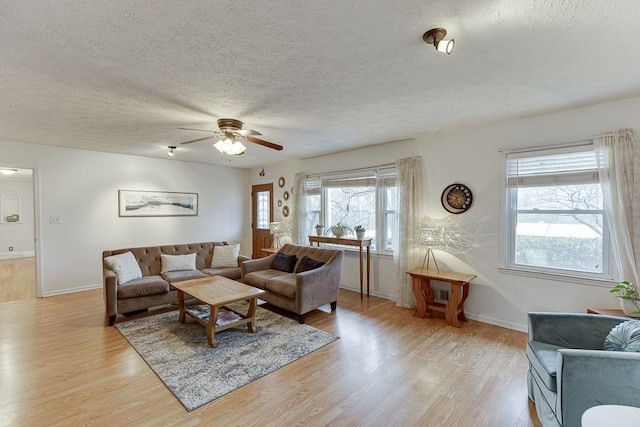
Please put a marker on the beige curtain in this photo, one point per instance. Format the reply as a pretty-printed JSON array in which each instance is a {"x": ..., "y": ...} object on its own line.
[
  {"x": 299, "y": 211},
  {"x": 406, "y": 254},
  {"x": 618, "y": 160}
]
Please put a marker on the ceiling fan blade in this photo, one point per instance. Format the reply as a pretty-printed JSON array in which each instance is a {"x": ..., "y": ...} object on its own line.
[
  {"x": 199, "y": 139},
  {"x": 199, "y": 130},
  {"x": 264, "y": 143},
  {"x": 247, "y": 132}
]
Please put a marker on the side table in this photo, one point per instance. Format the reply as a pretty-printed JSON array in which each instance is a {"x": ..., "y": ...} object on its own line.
[
  {"x": 606, "y": 311},
  {"x": 454, "y": 309}
]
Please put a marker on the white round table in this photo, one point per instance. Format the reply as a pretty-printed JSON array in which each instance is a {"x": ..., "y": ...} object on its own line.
[{"x": 611, "y": 415}]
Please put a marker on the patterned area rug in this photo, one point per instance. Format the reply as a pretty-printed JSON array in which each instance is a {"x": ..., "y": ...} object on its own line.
[{"x": 197, "y": 373}]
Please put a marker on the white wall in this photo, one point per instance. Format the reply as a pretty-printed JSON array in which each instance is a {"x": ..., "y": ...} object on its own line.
[
  {"x": 82, "y": 187},
  {"x": 471, "y": 156},
  {"x": 18, "y": 235}
]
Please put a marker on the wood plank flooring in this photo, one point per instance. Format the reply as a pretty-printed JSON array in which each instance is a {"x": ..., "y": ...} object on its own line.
[
  {"x": 17, "y": 279},
  {"x": 61, "y": 366}
]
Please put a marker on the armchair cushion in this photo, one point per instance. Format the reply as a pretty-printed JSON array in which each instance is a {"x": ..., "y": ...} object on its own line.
[
  {"x": 284, "y": 262},
  {"x": 543, "y": 359},
  {"x": 307, "y": 264},
  {"x": 624, "y": 337}
]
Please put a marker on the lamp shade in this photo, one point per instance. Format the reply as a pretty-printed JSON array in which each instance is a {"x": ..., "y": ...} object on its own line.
[
  {"x": 446, "y": 46},
  {"x": 432, "y": 237},
  {"x": 229, "y": 146}
]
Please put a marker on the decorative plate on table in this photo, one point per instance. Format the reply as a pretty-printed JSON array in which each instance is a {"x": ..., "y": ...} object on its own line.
[{"x": 456, "y": 198}]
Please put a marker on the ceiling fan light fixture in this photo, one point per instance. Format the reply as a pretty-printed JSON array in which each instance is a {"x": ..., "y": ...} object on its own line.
[
  {"x": 436, "y": 37},
  {"x": 230, "y": 147}
]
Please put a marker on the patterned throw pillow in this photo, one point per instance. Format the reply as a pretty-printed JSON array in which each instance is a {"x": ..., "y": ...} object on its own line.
[
  {"x": 225, "y": 256},
  {"x": 307, "y": 264},
  {"x": 284, "y": 262},
  {"x": 125, "y": 266},
  {"x": 178, "y": 262},
  {"x": 624, "y": 337}
]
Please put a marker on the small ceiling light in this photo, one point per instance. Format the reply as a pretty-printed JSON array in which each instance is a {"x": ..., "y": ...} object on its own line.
[
  {"x": 436, "y": 37},
  {"x": 8, "y": 171},
  {"x": 171, "y": 148},
  {"x": 229, "y": 145}
]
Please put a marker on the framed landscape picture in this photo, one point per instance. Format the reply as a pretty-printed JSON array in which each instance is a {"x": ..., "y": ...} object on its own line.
[{"x": 156, "y": 203}]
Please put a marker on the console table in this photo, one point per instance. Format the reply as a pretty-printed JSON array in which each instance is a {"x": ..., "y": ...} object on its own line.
[
  {"x": 425, "y": 304},
  {"x": 360, "y": 243}
]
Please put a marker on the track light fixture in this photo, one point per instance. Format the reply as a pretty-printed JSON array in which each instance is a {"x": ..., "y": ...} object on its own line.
[
  {"x": 171, "y": 148},
  {"x": 436, "y": 37}
]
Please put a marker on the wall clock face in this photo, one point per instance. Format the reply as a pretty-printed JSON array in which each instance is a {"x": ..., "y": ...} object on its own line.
[{"x": 456, "y": 198}]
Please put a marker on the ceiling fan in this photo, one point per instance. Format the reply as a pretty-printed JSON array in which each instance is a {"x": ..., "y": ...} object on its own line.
[{"x": 231, "y": 134}]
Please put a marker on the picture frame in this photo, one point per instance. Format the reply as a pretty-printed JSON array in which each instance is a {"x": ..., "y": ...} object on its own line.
[{"x": 136, "y": 203}]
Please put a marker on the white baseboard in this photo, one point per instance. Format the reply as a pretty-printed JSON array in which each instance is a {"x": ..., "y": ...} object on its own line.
[
  {"x": 71, "y": 290},
  {"x": 21, "y": 254},
  {"x": 364, "y": 290},
  {"x": 497, "y": 322}
]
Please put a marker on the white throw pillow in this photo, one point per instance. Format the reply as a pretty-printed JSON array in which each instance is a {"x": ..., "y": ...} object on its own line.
[
  {"x": 178, "y": 262},
  {"x": 225, "y": 256},
  {"x": 125, "y": 266}
]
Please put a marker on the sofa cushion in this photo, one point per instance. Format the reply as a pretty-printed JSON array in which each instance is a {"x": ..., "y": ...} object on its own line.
[
  {"x": 259, "y": 278},
  {"x": 307, "y": 264},
  {"x": 283, "y": 285},
  {"x": 125, "y": 266},
  {"x": 229, "y": 273},
  {"x": 543, "y": 358},
  {"x": 284, "y": 262},
  {"x": 178, "y": 262},
  {"x": 624, "y": 337},
  {"x": 179, "y": 276},
  {"x": 225, "y": 256},
  {"x": 144, "y": 286}
]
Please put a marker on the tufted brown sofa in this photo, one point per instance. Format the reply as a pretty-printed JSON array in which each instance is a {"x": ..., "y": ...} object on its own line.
[
  {"x": 154, "y": 288},
  {"x": 299, "y": 293}
]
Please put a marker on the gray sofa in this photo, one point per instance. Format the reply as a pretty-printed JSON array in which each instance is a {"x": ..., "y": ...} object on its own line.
[
  {"x": 301, "y": 292},
  {"x": 569, "y": 372},
  {"x": 154, "y": 288}
]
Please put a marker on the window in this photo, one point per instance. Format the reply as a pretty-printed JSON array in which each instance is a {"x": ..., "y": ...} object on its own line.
[
  {"x": 366, "y": 198},
  {"x": 556, "y": 220}
]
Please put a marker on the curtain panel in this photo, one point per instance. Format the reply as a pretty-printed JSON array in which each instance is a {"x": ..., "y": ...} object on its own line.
[
  {"x": 618, "y": 159},
  {"x": 299, "y": 210},
  {"x": 406, "y": 254}
]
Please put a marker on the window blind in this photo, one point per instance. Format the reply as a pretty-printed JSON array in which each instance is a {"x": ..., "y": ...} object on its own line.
[{"x": 569, "y": 165}]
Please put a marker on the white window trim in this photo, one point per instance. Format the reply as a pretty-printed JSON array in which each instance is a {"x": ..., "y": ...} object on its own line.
[{"x": 508, "y": 215}]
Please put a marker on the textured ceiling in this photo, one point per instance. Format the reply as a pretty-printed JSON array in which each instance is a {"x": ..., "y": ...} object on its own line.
[{"x": 316, "y": 77}]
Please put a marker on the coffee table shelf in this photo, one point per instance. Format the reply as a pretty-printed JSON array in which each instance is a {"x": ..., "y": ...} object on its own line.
[{"x": 217, "y": 292}]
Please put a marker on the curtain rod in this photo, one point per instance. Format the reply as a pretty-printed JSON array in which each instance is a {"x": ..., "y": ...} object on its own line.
[
  {"x": 554, "y": 145},
  {"x": 314, "y": 175}
]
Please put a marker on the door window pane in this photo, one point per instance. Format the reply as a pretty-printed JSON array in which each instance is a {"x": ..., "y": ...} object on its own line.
[{"x": 263, "y": 210}]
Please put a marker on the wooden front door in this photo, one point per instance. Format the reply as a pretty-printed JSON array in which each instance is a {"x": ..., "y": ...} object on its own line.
[{"x": 261, "y": 216}]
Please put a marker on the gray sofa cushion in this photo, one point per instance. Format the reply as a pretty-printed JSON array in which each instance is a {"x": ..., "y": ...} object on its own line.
[
  {"x": 259, "y": 278},
  {"x": 624, "y": 337},
  {"x": 543, "y": 357},
  {"x": 233, "y": 273},
  {"x": 283, "y": 285},
  {"x": 148, "y": 285},
  {"x": 179, "y": 276}
]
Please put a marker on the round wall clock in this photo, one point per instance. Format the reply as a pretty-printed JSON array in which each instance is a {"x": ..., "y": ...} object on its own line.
[{"x": 456, "y": 198}]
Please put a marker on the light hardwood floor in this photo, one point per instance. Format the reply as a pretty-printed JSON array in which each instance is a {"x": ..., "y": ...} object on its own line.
[
  {"x": 60, "y": 365},
  {"x": 17, "y": 279}
]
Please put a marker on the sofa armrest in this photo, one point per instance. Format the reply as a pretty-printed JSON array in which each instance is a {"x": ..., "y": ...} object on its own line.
[
  {"x": 110, "y": 287},
  {"x": 587, "y": 378},
  {"x": 252, "y": 265},
  {"x": 571, "y": 330},
  {"x": 319, "y": 286}
]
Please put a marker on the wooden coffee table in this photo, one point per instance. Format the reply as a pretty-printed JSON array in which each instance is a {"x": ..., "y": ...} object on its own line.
[{"x": 216, "y": 292}]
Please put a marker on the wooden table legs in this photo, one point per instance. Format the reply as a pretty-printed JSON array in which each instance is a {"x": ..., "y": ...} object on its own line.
[{"x": 453, "y": 310}]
